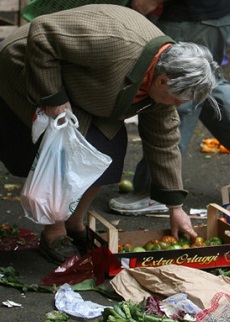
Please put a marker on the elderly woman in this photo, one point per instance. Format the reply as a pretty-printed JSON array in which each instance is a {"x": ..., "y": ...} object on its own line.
[{"x": 106, "y": 63}]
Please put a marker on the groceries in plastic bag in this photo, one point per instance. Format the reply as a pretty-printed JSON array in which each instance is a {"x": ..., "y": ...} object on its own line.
[{"x": 65, "y": 166}]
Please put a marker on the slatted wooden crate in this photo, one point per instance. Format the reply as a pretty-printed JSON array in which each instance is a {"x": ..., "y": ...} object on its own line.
[{"x": 10, "y": 16}]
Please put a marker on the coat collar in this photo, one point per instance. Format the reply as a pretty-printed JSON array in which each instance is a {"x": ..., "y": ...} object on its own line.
[{"x": 134, "y": 78}]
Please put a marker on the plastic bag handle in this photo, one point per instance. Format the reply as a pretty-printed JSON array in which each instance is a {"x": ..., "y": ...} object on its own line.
[
  {"x": 55, "y": 121},
  {"x": 72, "y": 119}
]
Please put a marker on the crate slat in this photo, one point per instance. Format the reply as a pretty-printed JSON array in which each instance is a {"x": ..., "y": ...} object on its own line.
[{"x": 9, "y": 5}]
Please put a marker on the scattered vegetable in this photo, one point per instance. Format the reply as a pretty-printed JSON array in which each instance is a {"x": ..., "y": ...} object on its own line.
[
  {"x": 125, "y": 186},
  {"x": 128, "y": 311},
  {"x": 212, "y": 145},
  {"x": 56, "y": 316},
  {"x": 8, "y": 231}
]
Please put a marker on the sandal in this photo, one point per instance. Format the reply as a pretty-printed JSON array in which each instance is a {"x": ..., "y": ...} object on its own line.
[
  {"x": 59, "y": 250},
  {"x": 79, "y": 239}
]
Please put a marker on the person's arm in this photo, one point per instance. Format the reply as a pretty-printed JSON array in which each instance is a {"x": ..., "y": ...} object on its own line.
[
  {"x": 159, "y": 131},
  {"x": 145, "y": 6}
]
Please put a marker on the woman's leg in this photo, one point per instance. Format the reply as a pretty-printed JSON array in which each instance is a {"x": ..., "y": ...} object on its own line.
[
  {"x": 76, "y": 221},
  {"x": 55, "y": 243}
]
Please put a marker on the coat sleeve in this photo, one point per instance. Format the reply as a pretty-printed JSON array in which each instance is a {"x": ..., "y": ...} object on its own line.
[{"x": 159, "y": 131}]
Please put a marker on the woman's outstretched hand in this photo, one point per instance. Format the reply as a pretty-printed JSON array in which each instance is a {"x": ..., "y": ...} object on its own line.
[{"x": 180, "y": 222}]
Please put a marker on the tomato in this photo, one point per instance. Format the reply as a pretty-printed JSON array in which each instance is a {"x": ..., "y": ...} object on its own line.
[
  {"x": 156, "y": 247},
  {"x": 138, "y": 249},
  {"x": 124, "y": 248},
  {"x": 199, "y": 240},
  {"x": 185, "y": 246},
  {"x": 125, "y": 186},
  {"x": 172, "y": 247},
  {"x": 149, "y": 246},
  {"x": 223, "y": 219},
  {"x": 154, "y": 241},
  {"x": 162, "y": 245},
  {"x": 169, "y": 240},
  {"x": 183, "y": 241},
  {"x": 151, "y": 242},
  {"x": 199, "y": 244},
  {"x": 215, "y": 241}
]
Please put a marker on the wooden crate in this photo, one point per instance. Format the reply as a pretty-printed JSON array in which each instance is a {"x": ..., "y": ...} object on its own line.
[
  {"x": 10, "y": 16},
  {"x": 196, "y": 257}
]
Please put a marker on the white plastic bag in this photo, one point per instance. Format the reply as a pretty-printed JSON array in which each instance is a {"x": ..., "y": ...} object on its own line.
[
  {"x": 71, "y": 302},
  {"x": 40, "y": 123},
  {"x": 65, "y": 167}
]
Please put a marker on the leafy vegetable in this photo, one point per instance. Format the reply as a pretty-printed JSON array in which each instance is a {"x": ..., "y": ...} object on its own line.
[
  {"x": 56, "y": 316},
  {"x": 128, "y": 311}
]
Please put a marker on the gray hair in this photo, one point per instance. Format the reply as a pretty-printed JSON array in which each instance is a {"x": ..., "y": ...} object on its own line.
[{"x": 192, "y": 72}]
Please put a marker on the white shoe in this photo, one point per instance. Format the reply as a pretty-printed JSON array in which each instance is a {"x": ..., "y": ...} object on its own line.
[{"x": 136, "y": 205}]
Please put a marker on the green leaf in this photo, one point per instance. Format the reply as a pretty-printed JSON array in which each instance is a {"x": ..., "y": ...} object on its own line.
[
  {"x": 90, "y": 285},
  {"x": 86, "y": 285}
]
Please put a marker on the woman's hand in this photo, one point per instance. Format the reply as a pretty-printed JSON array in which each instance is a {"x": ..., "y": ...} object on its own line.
[
  {"x": 54, "y": 111},
  {"x": 145, "y": 6},
  {"x": 180, "y": 221}
]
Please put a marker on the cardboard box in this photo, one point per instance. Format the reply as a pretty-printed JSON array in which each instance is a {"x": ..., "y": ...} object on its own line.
[{"x": 201, "y": 258}]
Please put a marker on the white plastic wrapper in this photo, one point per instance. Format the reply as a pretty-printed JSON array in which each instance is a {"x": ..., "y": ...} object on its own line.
[
  {"x": 179, "y": 302},
  {"x": 70, "y": 302},
  {"x": 40, "y": 124}
]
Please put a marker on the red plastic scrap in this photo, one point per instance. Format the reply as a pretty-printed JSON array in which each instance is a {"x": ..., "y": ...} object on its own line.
[
  {"x": 93, "y": 265},
  {"x": 24, "y": 240}
]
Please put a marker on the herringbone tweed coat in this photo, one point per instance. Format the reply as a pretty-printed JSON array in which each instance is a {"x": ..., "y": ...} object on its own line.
[{"x": 95, "y": 56}]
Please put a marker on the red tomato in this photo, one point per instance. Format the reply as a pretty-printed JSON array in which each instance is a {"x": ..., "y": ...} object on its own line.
[
  {"x": 169, "y": 240},
  {"x": 152, "y": 241}
]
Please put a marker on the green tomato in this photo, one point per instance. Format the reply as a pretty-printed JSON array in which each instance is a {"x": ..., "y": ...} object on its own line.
[
  {"x": 138, "y": 249},
  {"x": 156, "y": 247},
  {"x": 172, "y": 247},
  {"x": 183, "y": 241},
  {"x": 125, "y": 186},
  {"x": 214, "y": 241},
  {"x": 149, "y": 246},
  {"x": 163, "y": 245},
  {"x": 125, "y": 250}
]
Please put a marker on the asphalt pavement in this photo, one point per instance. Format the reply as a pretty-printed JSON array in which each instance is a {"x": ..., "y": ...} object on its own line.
[{"x": 203, "y": 174}]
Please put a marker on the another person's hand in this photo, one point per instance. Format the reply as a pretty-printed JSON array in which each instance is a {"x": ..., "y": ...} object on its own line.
[
  {"x": 180, "y": 222},
  {"x": 54, "y": 111},
  {"x": 145, "y": 6}
]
